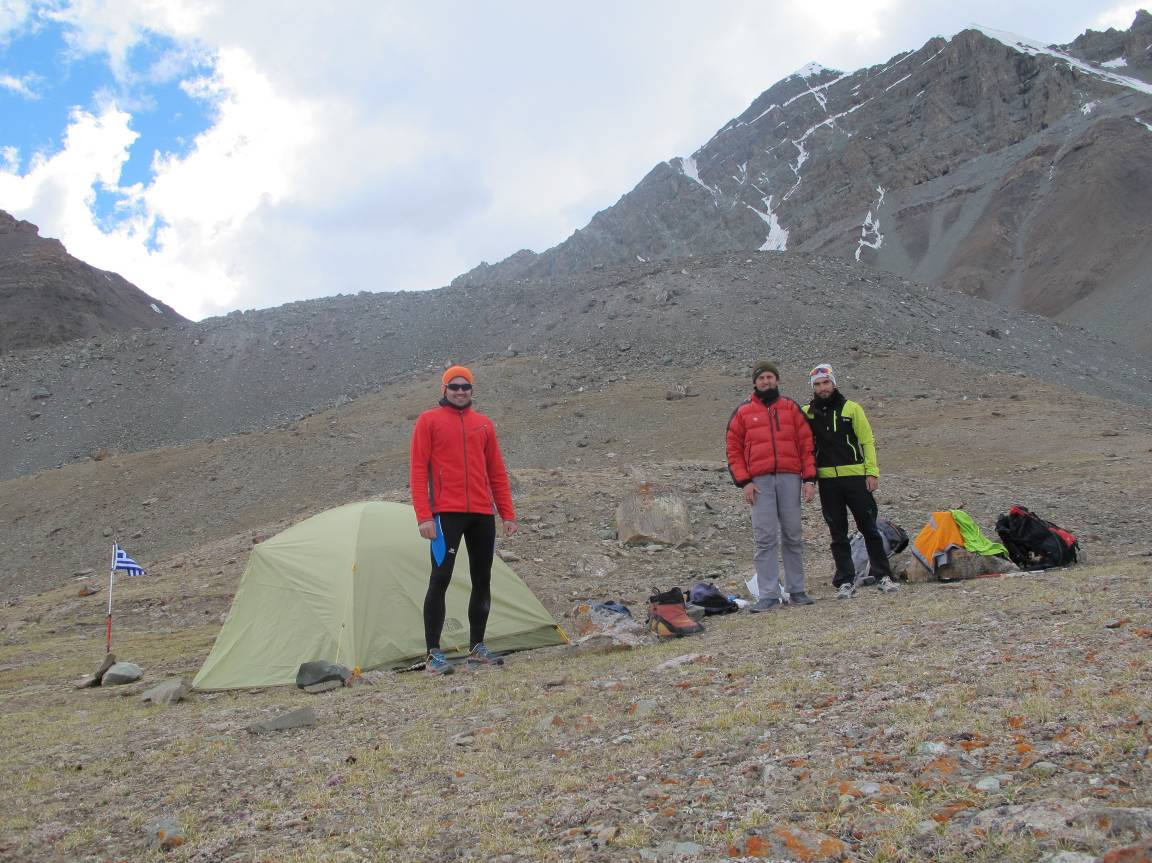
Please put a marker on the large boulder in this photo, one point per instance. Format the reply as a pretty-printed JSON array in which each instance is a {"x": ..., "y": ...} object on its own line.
[
  {"x": 645, "y": 516},
  {"x": 962, "y": 565}
]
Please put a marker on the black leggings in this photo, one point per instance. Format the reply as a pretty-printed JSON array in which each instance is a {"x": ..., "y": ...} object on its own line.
[{"x": 479, "y": 534}]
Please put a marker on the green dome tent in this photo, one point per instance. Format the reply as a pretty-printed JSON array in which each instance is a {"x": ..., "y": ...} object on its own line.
[{"x": 348, "y": 586}]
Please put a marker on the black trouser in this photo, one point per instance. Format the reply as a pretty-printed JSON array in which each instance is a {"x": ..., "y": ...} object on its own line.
[
  {"x": 837, "y": 497},
  {"x": 479, "y": 534}
]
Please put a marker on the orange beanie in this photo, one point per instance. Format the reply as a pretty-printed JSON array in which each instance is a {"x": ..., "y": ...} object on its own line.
[{"x": 457, "y": 372}]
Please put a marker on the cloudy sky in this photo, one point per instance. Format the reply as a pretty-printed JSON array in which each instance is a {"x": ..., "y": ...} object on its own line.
[{"x": 225, "y": 155}]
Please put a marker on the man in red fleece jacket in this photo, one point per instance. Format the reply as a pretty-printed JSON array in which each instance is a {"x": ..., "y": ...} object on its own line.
[{"x": 457, "y": 477}]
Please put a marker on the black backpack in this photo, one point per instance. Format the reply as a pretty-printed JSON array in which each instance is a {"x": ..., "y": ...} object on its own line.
[
  {"x": 707, "y": 596},
  {"x": 1034, "y": 543}
]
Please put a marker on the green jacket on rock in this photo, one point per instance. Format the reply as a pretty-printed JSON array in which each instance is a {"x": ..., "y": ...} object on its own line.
[{"x": 843, "y": 438}]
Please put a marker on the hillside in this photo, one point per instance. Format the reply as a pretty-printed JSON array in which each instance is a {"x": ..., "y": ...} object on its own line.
[
  {"x": 48, "y": 297},
  {"x": 257, "y": 370},
  {"x": 986, "y": 163}
]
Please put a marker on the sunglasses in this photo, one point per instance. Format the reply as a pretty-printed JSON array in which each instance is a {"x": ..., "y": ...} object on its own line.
[{"x": 458, "y": 387}]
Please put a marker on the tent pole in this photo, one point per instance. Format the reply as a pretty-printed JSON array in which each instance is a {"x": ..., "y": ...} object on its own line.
[{"x": 344, "y": 619}]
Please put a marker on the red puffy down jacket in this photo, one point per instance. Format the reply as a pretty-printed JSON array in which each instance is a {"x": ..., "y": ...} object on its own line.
[{"x": 773, "y": 438}]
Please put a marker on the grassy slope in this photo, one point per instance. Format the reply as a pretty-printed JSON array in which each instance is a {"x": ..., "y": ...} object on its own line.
[{"x": 780, "y": 723}]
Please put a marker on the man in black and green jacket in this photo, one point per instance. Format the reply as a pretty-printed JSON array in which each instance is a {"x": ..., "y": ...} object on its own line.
[{"x": 847, "y": 473}]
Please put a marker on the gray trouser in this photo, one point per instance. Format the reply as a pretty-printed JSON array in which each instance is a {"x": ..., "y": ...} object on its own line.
[{"x": 776, "y": 523}]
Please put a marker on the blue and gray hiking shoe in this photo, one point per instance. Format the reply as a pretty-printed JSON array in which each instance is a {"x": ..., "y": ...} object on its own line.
[
  {"x": 437, "y": 664},
  {"x": 800, "y": 598},
  {"x": 481, "y": 655}
]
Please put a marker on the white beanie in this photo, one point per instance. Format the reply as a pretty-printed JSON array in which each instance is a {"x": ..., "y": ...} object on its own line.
[{"x": 821, "y": 372}]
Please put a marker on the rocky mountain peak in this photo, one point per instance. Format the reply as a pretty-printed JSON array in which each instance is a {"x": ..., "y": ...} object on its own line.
[
  {"x": 958, "y": 163},
  {"x": 49, "y": 297}
]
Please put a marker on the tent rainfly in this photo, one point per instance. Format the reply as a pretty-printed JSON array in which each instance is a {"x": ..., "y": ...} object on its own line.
[{"x": 348, "y": 586}]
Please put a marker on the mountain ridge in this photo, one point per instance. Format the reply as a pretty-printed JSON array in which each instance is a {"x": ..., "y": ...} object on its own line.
[
  {"x": 955, "y": 164},
  {"x": 48, "y": 297}
]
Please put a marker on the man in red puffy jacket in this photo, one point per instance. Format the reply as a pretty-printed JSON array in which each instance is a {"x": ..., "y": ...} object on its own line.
[
  {"x": 770, "y": 456},
  {"x": 457, "y": 477}
]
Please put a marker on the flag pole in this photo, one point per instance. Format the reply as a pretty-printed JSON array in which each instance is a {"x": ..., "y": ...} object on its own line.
[{"x": 108, "y": 623}]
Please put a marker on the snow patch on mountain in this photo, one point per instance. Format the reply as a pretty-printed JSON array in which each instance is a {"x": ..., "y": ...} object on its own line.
[
  {"x": 1030, "y": 46},
  {"x": 1118, "y": 63},
  {"x": 895, "y": 83},
  {"x": 808, "y": 70},
  {"x": 1088, "y": 107},
  {"x": 1142, "y": 123},
  {"x": 777, "y": 239},
  {"x": 802, "y": 150},
  {"x": 870, "y": 235}
]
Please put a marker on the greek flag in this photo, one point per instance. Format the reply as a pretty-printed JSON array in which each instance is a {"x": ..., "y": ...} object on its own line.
[{"x": 123, "y": 563}]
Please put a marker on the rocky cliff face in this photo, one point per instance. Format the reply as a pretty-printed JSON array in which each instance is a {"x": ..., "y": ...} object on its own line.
[
  {"x": 987, "y": 163},
  {"x": 47, "y": 296}
]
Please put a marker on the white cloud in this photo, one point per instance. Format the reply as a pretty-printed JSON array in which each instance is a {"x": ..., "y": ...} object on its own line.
[
  {"x": 23, "y": 87},
  {"x": 183, "y": 238},
  {"x": 1119, "y": 17},
  {"x": 395, "y": 145},
  {"x": 13, "y": 15}
]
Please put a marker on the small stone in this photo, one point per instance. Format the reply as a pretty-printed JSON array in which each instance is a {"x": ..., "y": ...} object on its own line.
[
  {"x": 122, "y": 673},
  {"x": 550, "y": 723},
  {"x": 168, "y": 692},
  {"x": 166, "y": 834},
  {"x": 1068, "y": 857},
  {"x": 1141, "y": 852},
  {"x": 932, "y": 747},
  {"x": 988, "y": 784},
  {"x": 643, "y": 708},
  {"x": 686, "y": 659},
  {"x": 301, "y": 718},
  {"x": 1044, "y": 768}
]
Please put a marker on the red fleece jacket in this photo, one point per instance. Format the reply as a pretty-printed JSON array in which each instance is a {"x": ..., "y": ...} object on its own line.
[{"x": 456, "y": 465}]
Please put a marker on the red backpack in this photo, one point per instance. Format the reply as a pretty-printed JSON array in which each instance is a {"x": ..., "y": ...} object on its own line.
[{"x": 1034, "y": 543}]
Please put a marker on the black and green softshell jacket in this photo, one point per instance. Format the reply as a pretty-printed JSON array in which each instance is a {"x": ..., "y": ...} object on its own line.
[{"x": 843, "y": 438}]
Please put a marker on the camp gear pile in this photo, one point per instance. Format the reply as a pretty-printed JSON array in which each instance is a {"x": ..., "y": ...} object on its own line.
[{"x": 1034, "y": 543}]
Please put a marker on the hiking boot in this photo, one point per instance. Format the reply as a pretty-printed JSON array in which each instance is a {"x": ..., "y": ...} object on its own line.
[
  {"x": 481, "y": 655},
  {"x": 437, "y": 664},
  {"x": 800, "y": 598},
  {"x": 887, "y": 585},
  {"x": 847, "y": 591},
  {"x": 767, "y": 603}
]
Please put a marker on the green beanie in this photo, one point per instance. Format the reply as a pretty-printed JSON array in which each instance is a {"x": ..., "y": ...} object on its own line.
[{"x": 764, "y": 366}]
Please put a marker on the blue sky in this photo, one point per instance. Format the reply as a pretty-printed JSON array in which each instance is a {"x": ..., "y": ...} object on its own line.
[{"x": 235, "y": 155}]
